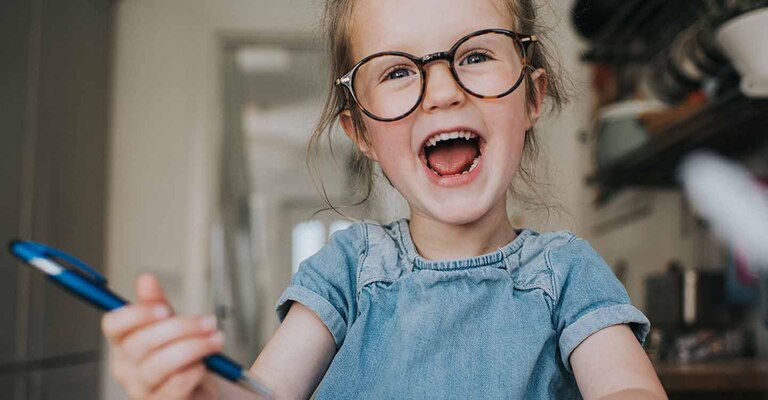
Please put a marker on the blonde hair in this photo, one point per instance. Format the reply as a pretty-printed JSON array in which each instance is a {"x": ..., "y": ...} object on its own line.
[{"x": 337, "y": 25}]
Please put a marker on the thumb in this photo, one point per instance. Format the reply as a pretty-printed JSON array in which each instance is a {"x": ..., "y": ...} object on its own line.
[{"x": 148, "y": 290}]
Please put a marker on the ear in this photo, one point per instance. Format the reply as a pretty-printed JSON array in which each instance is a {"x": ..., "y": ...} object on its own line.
[
  {"x": 356, "y": 137},
  {"x": 535, "y": 108}
]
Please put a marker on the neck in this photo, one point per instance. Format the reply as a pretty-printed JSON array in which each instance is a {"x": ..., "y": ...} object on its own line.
[{"x": 437, "y": 240}]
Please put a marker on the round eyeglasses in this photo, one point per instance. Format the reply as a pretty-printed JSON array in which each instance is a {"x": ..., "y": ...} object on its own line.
[{"x": 488, "y": 64}]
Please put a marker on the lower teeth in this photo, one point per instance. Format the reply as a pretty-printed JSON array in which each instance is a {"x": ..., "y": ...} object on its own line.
[
  {"x": 474, "y": 164},
  {"x": 471, "y": 167}
]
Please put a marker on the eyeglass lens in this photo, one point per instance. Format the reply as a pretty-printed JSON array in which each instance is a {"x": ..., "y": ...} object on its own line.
[{"x": 486, "y": 65}]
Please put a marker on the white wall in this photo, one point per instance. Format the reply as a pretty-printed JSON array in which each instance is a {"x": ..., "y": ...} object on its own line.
[{"x": 166, "y": 125}]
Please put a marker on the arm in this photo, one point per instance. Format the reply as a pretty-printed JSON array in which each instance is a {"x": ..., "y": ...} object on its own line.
[
  {"x": 611, "y": 364},
  {"x": 295, "y": 357},
  {"x": 315, "y": 310}
]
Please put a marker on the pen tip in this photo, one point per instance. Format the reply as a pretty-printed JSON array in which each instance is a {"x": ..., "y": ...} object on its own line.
[{"x": 256, "y": 386}]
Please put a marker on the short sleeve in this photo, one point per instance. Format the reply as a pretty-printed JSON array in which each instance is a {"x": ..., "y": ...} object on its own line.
[
  {"x": 325, "y": 283},
  {"x": 589, "y": 297}
]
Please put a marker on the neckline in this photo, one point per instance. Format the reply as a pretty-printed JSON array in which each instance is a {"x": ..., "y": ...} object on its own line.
[{"x": 494, "y": 258}]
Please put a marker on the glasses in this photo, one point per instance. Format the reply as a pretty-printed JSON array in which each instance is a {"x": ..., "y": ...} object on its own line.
[{"x": 488, "y": 64}]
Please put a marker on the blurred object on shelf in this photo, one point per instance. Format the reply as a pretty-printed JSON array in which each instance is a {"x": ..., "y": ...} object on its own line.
[
  {"x": 619, "y": 129},
  {"x": 712, "y": 344},
  {"x": 621, "y": 31},
  {"x": 682, "y": 298},
  {"x": 731, "y": 125},
  {"x": 592, "y": 18},
  {"x": 681, "y": 346},
  {"x": 703, "y": 51},
  {"x": 731, "y": 200},
  {"x": 605, "y": 84},
  {"x": 741, "y": 284},
  {"x": 743, "y": 40},
  {"x": 667, "y": 49},
  {"x": 653, "y": 344},
  {"x": 736, "y": 205},
  {"x": 685, "y": 66},
  {"x": 764, "y": 296},
  {"x": 657, "y": 122}
]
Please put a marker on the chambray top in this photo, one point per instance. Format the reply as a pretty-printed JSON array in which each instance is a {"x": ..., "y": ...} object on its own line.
[{"x": 499, "y": 325}]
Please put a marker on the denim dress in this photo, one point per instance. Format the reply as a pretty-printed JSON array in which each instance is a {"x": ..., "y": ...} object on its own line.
[{"x": 498, "y": 326}]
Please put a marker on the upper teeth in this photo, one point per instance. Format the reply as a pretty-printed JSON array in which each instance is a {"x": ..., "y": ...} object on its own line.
[{"x": 450, "y": 135}]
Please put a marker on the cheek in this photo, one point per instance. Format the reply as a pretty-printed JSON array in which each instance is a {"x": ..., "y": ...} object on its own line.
[
  {"x": 391, "y": 142},
  {"x": 507, "y": 118}
]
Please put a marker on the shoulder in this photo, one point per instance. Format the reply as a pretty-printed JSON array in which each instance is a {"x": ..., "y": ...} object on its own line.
[
  {"x": 337, "y": 260},
  {"x": 386, "y": 252},
  {"x": 578, "y": 263},
  {"x": 348, "y": 243},
  {"x": 530, "y": 267},
  {"x": 325, "y": 282},
  {"x": 547, "y": 260},
  {"x": 362, "y": 243}
]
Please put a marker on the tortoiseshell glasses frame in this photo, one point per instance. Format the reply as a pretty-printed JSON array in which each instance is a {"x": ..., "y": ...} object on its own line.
[{"x": 523, "y": 41}]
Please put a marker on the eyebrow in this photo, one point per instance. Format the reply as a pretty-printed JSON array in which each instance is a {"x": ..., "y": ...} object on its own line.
[{"x": 405, "y": 48}]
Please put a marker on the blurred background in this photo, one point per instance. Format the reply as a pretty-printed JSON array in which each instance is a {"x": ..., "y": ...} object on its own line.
[{"x": 169, "y": 136}]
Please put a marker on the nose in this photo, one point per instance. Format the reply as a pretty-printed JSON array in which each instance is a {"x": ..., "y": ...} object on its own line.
[{"x": 441, "y": 90}]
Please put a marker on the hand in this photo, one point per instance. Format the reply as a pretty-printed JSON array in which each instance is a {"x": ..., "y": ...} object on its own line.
[{"x": 157, "y": 355}]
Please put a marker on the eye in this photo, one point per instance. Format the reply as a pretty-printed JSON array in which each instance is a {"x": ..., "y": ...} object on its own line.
[
  {"x": 397, "y": 72},
  {"x": 475, "y": 57}
]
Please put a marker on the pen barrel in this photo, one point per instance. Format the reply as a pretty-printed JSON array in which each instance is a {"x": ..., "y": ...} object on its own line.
[
  {"x": 224, "y": 366},
  {"x": 93, "y": 293}
]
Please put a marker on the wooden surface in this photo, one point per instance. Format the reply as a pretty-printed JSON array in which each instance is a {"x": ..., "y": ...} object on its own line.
[{"x": 732, "y": 375}]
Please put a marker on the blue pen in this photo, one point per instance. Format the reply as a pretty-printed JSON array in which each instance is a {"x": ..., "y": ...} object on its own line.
[{"x": 84, "y": 282}]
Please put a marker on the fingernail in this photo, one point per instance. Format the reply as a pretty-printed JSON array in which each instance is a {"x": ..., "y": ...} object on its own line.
[
  {"x": 161, "y": 311},
  {"x": 208, "y": 322},
  {"x": 217, "y": 338}
]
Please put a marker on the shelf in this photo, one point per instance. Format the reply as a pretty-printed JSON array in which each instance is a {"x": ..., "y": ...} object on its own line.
[
  {"x": 714, "y": 376},
  {"x": 731, "y": 126},
  {"x": 639, "y": 30}
]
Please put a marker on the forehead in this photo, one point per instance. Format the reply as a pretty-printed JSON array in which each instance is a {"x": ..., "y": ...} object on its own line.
[{"x": 421, "y": 26}]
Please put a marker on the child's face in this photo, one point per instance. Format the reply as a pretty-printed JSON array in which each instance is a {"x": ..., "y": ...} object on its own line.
[{"x": 422, "y": 27}]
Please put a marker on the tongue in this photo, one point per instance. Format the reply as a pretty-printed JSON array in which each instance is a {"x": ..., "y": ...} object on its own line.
[{"x": 453, "y": 157}]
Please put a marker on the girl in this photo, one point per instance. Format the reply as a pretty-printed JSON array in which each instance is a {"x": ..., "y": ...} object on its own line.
[{"x": 455, "y": 302}]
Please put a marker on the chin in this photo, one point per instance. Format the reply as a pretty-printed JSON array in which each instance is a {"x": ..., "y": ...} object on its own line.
[{"x": 460, "y": 211}]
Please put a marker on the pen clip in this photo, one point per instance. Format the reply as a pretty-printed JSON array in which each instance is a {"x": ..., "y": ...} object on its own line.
[{"x": 50, "y": 252}]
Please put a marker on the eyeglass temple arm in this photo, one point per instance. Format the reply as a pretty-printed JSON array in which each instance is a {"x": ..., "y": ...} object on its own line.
[{"x": 343, "y": 80}]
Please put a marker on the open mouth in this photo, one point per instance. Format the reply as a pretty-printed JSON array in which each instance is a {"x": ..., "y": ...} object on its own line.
[{"x": 452, "y": 153}]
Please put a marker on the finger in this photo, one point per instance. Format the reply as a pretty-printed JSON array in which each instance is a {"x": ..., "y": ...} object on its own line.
[
  {"x": 159, "y": 365},
  {"x": 141, "y": 342},
  {"x": 118, "y": 323},
  {"x": 181, "y": 384},
  {"x": 148, "y": 290},
  {"x": 127, "y": 376}
]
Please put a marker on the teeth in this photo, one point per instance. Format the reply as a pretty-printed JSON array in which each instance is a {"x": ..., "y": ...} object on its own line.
[
  {"x": 450, "y": 135},
  {"x": 474, "y": 163},
  {"x": 471, "y": 167}
]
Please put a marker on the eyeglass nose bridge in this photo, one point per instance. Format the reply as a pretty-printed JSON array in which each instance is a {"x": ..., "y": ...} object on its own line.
[{"x": 441, "y": 55}]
